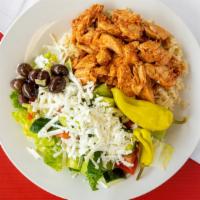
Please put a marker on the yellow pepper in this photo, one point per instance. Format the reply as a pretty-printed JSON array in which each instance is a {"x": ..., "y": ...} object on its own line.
[
  {"x": 145, "y": 114},
  {"x": 144, "y": 137},
  {"x": 147, "y": 152}
]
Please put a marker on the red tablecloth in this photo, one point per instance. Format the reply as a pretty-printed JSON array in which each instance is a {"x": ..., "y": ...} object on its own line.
[{"x": 185, "y": 185}]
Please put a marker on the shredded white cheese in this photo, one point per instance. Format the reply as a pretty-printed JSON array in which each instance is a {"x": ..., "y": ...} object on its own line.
[
  {"x": 41, "y": 61},
  {"x": 92, "y": 125}
]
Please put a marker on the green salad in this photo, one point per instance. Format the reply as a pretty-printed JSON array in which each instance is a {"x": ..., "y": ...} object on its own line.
[{"x": 91, "y": 129}]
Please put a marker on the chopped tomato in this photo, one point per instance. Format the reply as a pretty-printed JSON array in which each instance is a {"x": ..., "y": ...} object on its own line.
[
  {"x": 31, "y": 116},
  {"x": 131, "y": 158},
  {"x": 129, "y": 170},
  {"x": 64, "y": 135}
]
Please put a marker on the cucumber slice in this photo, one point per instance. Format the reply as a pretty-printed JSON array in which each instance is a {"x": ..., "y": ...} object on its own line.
[
  {"x": 103, "y": 90},
  {"x": 75, "y": 164},
  {"x": 108, "y": 100}
]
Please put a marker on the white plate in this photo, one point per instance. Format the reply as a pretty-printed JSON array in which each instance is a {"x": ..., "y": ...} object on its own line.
[{"x": 58, "y": 14}]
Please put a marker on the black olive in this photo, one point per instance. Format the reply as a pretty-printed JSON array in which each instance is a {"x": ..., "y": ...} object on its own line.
[
  {"x": 29, "y": 90},
  {"x": 17, "y": 84},
  {"x": 33, "y": 74},
  {"x": 59, "y": 70},
  {"x": 43, "y": 78},
  {"x": 24, "y": 69},
  {"x": 57, "y": 84},
  {"x": 22, "y": 99}
]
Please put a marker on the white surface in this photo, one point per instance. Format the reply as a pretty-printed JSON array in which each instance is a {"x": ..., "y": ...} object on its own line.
[
  {"x": 184, "y": 138},
  {"x": 189, "y": 11}
]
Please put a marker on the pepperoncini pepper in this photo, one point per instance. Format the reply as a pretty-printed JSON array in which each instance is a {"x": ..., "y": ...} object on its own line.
[
  {"x": 145, "y": 114},
  {"x": 144, "y": 137},
  {"x": 147, "y": 152}
]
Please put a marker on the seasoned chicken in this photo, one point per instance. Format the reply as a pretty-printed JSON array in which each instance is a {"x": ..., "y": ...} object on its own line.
[
  {"x": 129, "y": 24},
  {"x": 126, "y": 15},
  {"x": 131, "y": 83},
  {"x": 113, "y": 70},
  {"x": 86, "y": 62},
  {"x": 156, "y": 32},
  {"x": 151, "y": 52},
  {"x": 125, "y": 51},
  {"x": 89, "y": 42},
  {"x": 84, "y": 48},
  {"x": 130, "y": 54},
  {"x": 135, "y": 44},
  {"x": 139, "y": 78},
  {"x": 87, "y": 38},
  {"x": 105, "y": 24},
  {"x": 147, "y": 92},
  {"x": 112, "y": 75},
  {"x": 112, "y": 43},
  {"x": 164, "y": 75},
  {"x": 85, "y": 75},
  {"x": 103, "y": 57},
  {"x": 125, "y": 79},
  {"x": 100, "y": 71},
  {"x": 81, "y": 24}
]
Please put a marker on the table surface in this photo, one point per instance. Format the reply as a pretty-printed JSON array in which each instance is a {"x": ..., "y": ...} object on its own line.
[{"x": 184, "y": 185}]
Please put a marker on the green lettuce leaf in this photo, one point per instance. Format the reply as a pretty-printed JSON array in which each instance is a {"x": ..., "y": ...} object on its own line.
[
  {"x": 21, "y": 116},
  {"x": 166, "y": 155},
  {"x": 46, "y": 147},
  {"x": 14, "y": 96},
  {"x": 163, "y": 153},
  {"x": 93, "y": 174}
]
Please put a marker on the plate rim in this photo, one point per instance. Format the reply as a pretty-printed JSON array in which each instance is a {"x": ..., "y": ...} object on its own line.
[{"x": 159, "y": 183}]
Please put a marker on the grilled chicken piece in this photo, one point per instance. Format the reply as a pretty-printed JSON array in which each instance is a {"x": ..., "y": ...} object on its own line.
[
  {"x": 81, "y": 24},
  {"x": 103, "y": 56},
  {"x": 113, "y": 70},
  {"x": 85, "y": 48},
  {"x": 139, "y": 78},
  {"x": 129, "y": 24},
  {"x": 86, "y": 62},
  {"x": 105, "y": 24},
  {"x": 112, "y": 43},
  {"x": 112, "y": 75},
  {"x": 82, "y": 72},
  {"x": 100, "y": 71},
  {"x": 87, "y": 38},
  {"x": 151, "y": 52},
  {"x": 125, "y": 79},
  {"x": 166, "y": 76},
  {"x": 156, "y": 32},
  {"x": 147, "y": 92},
  {"x": 131, "y": 83},
  {"x": 130, "y": 54},
  {"x": 85, "y": 75}
]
